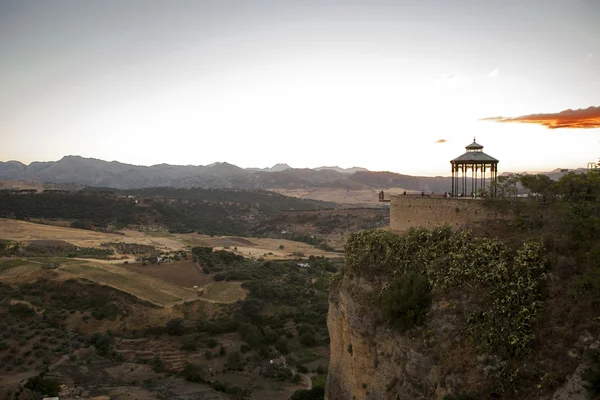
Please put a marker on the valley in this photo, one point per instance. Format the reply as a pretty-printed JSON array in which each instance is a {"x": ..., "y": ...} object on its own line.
[{"x": 141, "y": 311}]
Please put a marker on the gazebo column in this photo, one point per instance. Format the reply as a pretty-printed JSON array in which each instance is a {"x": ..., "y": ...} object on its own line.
[
  {"x": 452, "y": 180},
  {"x": 464, "y": 179}
]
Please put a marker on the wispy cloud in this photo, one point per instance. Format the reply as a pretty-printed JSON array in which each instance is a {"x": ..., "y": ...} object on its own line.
[
  {"x": 495, "y": 73},
  {"x": 441, "y": 141},
  {"x": 453, "y": 80},
  {"x": 583, "y": 118}
]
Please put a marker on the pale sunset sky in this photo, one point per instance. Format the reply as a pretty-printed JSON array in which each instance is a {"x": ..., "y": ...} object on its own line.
[{"x": 372, "y": 83}]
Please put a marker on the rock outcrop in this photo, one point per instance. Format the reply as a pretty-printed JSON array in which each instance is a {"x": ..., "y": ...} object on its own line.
[{"x": 371, "y": 360}]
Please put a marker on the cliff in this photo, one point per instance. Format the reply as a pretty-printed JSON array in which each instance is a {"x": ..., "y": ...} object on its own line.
[
  {"x": 371, "y": 360},
  {"x": 436, "y": 314}
]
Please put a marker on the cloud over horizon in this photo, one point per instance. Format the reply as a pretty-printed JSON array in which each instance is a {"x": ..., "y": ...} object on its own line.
[{"x": 588, "y": 118}]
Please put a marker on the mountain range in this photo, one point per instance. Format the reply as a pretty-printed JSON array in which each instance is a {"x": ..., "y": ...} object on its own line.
[{"x": 98, "y": 173}]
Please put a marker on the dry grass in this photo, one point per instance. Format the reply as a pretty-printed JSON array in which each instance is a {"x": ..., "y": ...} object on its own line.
[
  {"x": 183, "y": 274},
  {"x": 224, "y": 292},
  {"x": 28, "y": 232},
  {"x": 146, "y": 288},
  {"x": 248, "y": 247},
  {"x": 261, "y": 247}
]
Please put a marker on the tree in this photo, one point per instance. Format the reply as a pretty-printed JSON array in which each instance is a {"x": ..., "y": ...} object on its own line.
[
  {"x": 47, "y": 387},
  {"x": 506, "y": 185},
  {"x": 157, "y": 364},
  {"x": 316, "y": 393},
  {"x": 175, "y": 327},
  {"x": 282, "y": 347},
  {"x": 540, "y": 185},
  {"x": 103, "y": 344},
  {"x": 308, "y": 339},
  {"x": 252, "y": 307},
  {"x": 234, "y": 361},
  {"x": 192, "y": 373}
]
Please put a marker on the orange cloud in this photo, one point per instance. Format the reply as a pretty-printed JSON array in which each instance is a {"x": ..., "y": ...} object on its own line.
[
  {"x": 584, "y": 118},
  {"x": 441, "y": 141}
]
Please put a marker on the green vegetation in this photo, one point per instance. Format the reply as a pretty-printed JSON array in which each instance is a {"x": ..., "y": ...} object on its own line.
[
  {"x": 175, "y": 327},
  {"x": 405, "y": 301},
  {"x": 592, "y": 374},
  {"x": 316, "y": 393},
  {"x": 70, "y": 251},
  {"x": 209, "y": 211},
  {"x": 43, "y": 386},
  {"x": 5, "y": 265},
  {"x": 513, "y": 281},
  {"x": 103, "y": 344}
]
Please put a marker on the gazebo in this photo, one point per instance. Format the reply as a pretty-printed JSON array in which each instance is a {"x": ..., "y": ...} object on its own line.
[{"x": 480, "y": 165}]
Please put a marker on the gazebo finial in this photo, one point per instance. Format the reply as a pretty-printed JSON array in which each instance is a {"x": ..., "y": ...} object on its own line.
[{"x": 474, "y": 139}]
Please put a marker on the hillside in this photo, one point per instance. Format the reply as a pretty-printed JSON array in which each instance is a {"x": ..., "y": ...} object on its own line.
[{"x": 211, "y": 211}]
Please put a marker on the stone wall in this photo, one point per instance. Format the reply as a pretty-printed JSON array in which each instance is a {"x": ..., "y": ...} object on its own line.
[{"x": 413, "y": 212}]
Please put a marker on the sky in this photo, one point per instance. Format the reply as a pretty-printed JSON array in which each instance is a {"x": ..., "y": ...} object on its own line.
[{"x": 399, "y": 85}]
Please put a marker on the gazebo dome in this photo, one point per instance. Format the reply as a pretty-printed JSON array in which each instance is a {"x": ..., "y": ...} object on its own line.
[
  {"x": 474, "y": 146},
  {"x": 474, "y": 155}
]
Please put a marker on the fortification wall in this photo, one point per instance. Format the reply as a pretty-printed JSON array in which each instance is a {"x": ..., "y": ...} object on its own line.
[{"x": 412, "y": 212}]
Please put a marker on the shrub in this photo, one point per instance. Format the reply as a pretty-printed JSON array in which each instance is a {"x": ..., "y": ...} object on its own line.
[
  {"x": 592, "y": 375},
  {"x": 157, "y": 364},
  {"x": 405, "y": 302},
  {"x": 189, "y": 345},
  {"x": 316, "y": 393},
  {"x": 175, "y": 327},
  {"x": 302, "y": 369},
  {"x": 192, "y": 373},
  {"x": 282, "y": 347},
  {"x": 103, "y": 344},
  {"x": 308, "y": 339},
  {"x": 48, "y": 387},
  {"x": 21, "y": 309},
  {"x": 234, "y": 361}
]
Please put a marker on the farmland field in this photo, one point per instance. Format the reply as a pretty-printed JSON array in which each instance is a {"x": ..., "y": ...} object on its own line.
[{"x": 184, "y": 274}]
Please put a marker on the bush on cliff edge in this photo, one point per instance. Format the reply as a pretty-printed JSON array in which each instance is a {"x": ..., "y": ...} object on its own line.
[{"x": 406, "y": 300}]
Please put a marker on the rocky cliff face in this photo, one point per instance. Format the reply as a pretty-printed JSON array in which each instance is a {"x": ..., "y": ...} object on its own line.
[{"x": 372, "y": 361}]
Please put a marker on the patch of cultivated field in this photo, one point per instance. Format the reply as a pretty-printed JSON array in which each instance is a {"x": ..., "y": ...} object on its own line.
[
  {"x": 28, "y": 232},
  {"x": 13, "y": 268},
  {"x": 224, "y": 292},
  {"x": 145, "y": 287},
  {"x": 182, "y": 273},
  {"x": 249, "y": 247},
  {"x": 261, "y": 247}
]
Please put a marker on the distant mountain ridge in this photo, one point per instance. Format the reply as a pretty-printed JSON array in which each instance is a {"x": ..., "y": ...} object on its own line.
[{"x": 94, "y": 172}]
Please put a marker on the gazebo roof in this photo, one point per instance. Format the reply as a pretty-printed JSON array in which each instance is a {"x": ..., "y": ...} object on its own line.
[
  {"x": 476, "y": 157},
  {"x": 474, "y": 146}
]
